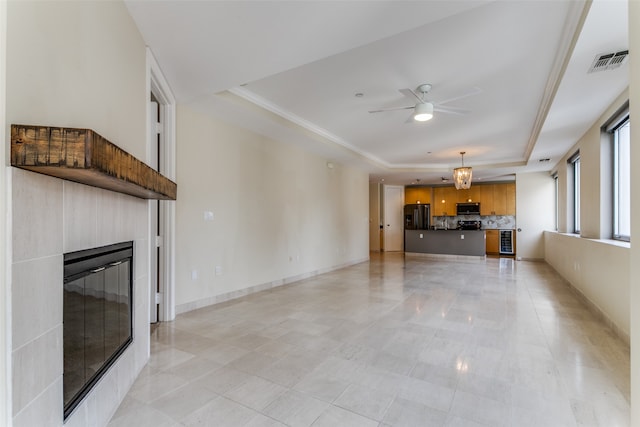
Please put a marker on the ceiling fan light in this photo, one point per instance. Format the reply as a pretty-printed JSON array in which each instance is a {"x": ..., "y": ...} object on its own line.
[{"x": 423, "y": 112}]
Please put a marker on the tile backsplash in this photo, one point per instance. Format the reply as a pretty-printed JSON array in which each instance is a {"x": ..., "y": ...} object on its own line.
[{"x": 489, "y": 222}]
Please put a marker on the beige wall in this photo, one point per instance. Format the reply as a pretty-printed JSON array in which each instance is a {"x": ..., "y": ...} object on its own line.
[
  {"x": 598, "y": 268},
  {"x": 280, "y": 213},
  {"x": 595, "y": 196},
  {"x": 534, "y": 213},
  {"x": 74, "y": 64},
  {"x": 634, "y": 265}
]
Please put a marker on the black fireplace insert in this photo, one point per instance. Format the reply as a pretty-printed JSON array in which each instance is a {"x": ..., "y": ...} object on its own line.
[{"x": 97, "y": 316}]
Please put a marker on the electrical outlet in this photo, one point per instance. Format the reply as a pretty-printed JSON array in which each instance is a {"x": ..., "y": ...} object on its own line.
[
  {"x": 208, "y": 216},
  {"x": 462, "y": 237},
  {"x": 194, "y": 274},
  {"x": 218, "y": 270}
]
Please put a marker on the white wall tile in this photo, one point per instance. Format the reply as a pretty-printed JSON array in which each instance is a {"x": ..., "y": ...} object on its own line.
[
  {"x": 36, "y": 216},
  {"x": 141, "y": 258},
  {"x": 35, "y": 367},
  {"x": 110, "y": 218},
  {"x": 80, "y": 205},
  {"x": 36, "y": 298},
  {"x": 45, "y": 407}
]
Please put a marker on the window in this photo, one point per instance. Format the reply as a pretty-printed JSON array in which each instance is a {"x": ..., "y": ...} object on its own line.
[
  {"x": 621, "y": 178},
  {"x": 574, "y": 165}
]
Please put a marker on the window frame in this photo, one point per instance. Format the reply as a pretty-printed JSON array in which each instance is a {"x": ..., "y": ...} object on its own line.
[
  {"x": 574, "y": 165},
  {"x": 621, "y": 120}
]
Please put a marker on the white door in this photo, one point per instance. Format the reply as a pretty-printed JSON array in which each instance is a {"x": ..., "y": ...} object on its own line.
[{"x": 393, "y": 224}]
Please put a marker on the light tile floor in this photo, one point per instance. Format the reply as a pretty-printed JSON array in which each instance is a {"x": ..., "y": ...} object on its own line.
[{"x": 393, "y": 342}]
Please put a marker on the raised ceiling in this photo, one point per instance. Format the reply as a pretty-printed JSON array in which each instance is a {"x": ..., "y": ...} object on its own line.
[{"x": 291, "y": 70}]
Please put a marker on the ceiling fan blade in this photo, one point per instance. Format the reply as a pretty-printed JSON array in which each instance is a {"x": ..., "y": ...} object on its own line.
[
  {"x": 450, "y": 110},
  {"x": 411, "y": 94},
  {"x": 474, "y": 91},
  {"x": 392, "y": 109}
]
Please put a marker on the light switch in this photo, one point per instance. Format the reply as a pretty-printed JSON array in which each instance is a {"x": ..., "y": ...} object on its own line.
[
  {"x": 421, "y": 235},
  {"x": 462, "y": 237}
]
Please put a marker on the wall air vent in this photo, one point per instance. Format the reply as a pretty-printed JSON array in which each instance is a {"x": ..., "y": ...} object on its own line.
[{"x": 608, "y": 61}]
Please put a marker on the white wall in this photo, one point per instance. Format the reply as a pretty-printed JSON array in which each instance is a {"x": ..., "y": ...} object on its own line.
[
  {"x": 280, "y": 213},
  {"x": 634, "y": 265},
  {"x": 5, "y": 323},
  {"x": 535, "y": 207},
  {"x": 71, "y": 64}
]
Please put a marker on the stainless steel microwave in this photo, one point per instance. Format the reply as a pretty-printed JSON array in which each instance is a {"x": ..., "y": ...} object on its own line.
[{"x": 467, "y": 208}]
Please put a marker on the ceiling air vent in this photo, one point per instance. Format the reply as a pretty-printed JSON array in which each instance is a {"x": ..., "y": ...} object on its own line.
[{"x": 608, "y": 61}]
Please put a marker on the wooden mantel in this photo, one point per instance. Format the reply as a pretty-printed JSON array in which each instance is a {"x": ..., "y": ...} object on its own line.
[{"x": 83, "y": 156}]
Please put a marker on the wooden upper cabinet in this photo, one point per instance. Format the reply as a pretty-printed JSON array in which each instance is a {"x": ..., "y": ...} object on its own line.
[
  {"x": 475, "y": 194},
  {"x": 494, "y": 199},
  {"x": 500, "y": 199},
  {"x": 462, "y": 196},
  {"x": 417, "y": 194},
  {"x": 511, "y": 198},
  {"x": 497, "y": 199},
  {"x": 486, "y": 199},
  {"x": 444, "y": 201},
  {"x": 410, "y": 195},
  {"x": 439, "y": 201}
]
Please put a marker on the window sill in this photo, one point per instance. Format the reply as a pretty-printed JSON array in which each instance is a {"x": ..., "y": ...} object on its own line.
[{"x": 612, "y": 242}]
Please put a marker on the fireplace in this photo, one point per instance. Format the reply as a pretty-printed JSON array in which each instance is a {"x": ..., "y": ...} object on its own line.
[{"x": 97, "y": 316}]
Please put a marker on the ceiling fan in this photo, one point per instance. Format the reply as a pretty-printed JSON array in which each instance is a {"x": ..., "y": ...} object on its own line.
[{"x": 423, "y": 109}]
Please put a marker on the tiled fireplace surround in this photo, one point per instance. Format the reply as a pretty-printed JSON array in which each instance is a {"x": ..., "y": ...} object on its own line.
[{"x": 51, "y": 217}]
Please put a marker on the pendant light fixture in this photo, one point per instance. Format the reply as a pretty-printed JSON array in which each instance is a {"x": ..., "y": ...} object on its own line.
[{"x": 462, "y": 175}]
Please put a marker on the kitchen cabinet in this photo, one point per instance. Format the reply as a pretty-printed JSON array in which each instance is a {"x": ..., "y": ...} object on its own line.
[
  {"x": 462, "y": 196},
  {"x": 494, "y": 199},
  {"x": 493, "y": 242},
  {"x": 444, "y": 201},
  {"x": 474, "y": 194},
  {"x": 504, "y": 199},
  {"x": 511, "y": 198},
  {"x": 497, "y": 199},
  {"x": 420, "y": 195},
  {"x": 486, "y": 199},
  {"x": 500, "y": 199}
]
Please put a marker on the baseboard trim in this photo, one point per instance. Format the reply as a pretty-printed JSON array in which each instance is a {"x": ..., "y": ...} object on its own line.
[{"x": 228, "y": 296}]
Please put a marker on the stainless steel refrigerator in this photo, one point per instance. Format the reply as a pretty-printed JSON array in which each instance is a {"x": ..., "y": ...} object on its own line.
[{"x": 417, "y": 217}]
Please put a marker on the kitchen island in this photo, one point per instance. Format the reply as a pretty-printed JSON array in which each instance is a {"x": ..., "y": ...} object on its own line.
[{"x": 445, "y": 242}]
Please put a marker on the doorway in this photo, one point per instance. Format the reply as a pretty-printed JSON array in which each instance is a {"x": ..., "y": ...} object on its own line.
[
  {"x": 393, "y": 223},
  {"x": 156, "y": 267},
  {"x": 161, "y": 157}
]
